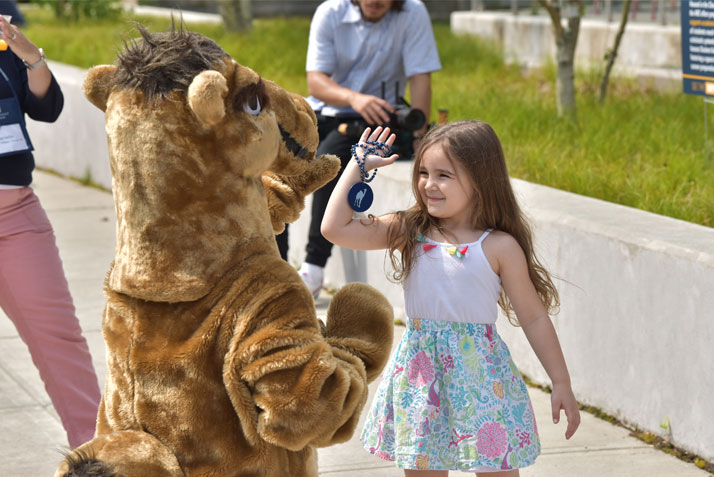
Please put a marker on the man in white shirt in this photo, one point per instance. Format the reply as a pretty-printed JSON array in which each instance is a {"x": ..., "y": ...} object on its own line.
[{"x": 361, "y": 55}]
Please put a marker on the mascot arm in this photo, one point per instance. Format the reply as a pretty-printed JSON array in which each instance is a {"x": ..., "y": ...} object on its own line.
[
  {"x": 360, "y": 320},
  {"x": 286, "y": 194},
  {"x": 288, "y": 385}
]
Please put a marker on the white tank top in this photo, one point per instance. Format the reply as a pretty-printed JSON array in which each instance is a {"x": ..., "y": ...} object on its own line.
[{"x": 452, "y": 283}]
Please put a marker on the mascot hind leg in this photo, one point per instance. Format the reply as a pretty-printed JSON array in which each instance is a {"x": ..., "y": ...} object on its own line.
[{"x": 112, "y": 455}]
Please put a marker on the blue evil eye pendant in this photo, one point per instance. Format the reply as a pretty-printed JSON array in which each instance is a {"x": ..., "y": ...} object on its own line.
[{"x": 360, "y": 197}]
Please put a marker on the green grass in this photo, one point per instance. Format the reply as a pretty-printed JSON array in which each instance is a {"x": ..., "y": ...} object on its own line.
[{"x": 642, "y": 149}]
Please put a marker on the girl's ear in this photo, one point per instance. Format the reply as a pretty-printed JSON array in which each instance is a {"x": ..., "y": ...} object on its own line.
[
  {"x": 98, "y": 84},
  {"x": 206, "y": 96}
]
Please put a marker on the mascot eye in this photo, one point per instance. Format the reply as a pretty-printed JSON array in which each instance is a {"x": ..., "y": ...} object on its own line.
[
  {"x": 252, "y": 99},
  {"x": 252, "y": 106}
]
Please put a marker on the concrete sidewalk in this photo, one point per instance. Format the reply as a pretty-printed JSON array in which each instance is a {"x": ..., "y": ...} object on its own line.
[{"x": 32, "y": 439}]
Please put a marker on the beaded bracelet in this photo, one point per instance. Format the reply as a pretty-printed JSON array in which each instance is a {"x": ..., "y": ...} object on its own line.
[
  {"x": 360, "y": 195},
  {"x": 371, "y": 147}
]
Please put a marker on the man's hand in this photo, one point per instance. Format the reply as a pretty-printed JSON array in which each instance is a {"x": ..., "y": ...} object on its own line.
[{"x": 374, "y": 110}]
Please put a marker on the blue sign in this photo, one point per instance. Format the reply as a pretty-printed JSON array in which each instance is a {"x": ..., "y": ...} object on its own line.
[{"x": 698, "y": 47}]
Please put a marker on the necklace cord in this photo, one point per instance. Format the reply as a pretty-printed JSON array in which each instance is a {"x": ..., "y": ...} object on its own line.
[{"x": 371, "y": 147}]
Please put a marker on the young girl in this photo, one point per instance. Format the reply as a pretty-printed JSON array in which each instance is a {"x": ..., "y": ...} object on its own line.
[{"x": 451, "y": 397}]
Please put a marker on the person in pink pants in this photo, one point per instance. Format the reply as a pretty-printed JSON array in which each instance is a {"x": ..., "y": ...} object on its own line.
[{"x": 33, "y": 288}]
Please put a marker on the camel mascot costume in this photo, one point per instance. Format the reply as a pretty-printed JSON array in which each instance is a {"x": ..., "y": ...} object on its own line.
[{"x": 217, "y": 363}]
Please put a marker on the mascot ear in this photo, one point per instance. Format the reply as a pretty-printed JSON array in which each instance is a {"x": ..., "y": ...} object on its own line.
[
  {"x": 205, "y": 96},
  {"x": 98, "y": 83}
]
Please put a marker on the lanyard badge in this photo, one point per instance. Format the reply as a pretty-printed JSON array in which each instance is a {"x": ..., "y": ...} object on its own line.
[
  {"x": 360, "y": 196},
  {"x": 13, "y": 132}
]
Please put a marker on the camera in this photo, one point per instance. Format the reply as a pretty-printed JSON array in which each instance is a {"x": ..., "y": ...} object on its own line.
[
  {"x": 406, "y": 118},
  {"x": 403, "y": 122}
]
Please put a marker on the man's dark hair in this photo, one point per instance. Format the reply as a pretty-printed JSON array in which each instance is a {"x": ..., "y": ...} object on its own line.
[{"x": 397, "y": 5}]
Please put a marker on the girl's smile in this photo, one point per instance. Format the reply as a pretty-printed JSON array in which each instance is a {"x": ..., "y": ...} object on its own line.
[{"x": 444, "y": 189}]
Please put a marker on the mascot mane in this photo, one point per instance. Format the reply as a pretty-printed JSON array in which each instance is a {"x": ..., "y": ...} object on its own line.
[{"x": 166, "y": 61}]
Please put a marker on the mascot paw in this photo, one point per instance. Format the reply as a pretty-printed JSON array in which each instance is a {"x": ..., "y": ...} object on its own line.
[
  {"x": 82, "y": 464},
  {"x": 123, "y": 453},
  {"x": 361, "y": 320},
  {"x": 286, "y": 194}
]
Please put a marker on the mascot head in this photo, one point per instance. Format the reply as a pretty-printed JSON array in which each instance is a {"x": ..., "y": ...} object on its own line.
[{"x": 192, "y": 137}]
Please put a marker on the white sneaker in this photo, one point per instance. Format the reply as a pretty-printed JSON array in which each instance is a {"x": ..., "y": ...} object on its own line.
[{"x": 312, "y": 275}]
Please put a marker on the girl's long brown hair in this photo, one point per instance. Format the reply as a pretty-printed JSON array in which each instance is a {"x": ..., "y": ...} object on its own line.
[{"x": 476, "y": 147}]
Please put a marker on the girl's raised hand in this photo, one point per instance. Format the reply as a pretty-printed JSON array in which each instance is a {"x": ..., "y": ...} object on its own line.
[{"x": 378, "y": 158}]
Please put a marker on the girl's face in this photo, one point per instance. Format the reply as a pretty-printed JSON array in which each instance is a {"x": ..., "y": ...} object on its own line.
[{"x": 445, "y": 189}]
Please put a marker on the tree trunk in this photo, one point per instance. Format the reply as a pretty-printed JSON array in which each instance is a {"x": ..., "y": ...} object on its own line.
[
  {"x": 566, "y": 39},
  {"x": 565, "y": 84},
  {"x": 612, "y": 53},
  {"x": 236, "y": 15},
  {"x": 60, "y": 9}
]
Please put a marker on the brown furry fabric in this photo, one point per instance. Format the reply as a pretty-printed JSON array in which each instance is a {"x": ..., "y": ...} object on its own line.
[
  {"x": 164, "y": 62},
  {"x": 217, "y": 364},
  {"x": 80, "y": 464}
]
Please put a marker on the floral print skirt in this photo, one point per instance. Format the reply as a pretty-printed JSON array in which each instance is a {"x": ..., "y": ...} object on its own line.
[{"x": 451, "y": 398}]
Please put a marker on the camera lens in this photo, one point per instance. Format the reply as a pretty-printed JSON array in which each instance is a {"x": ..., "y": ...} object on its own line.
[{"x": 410, "y": 119}]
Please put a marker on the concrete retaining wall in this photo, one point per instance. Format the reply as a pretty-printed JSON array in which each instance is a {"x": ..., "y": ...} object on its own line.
[
  {"x": 438, "y": 9},
  {"x": 76, "y": 144},
  {"x": 637, "y": 319},
  {"x": 648, "y": 50}
]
